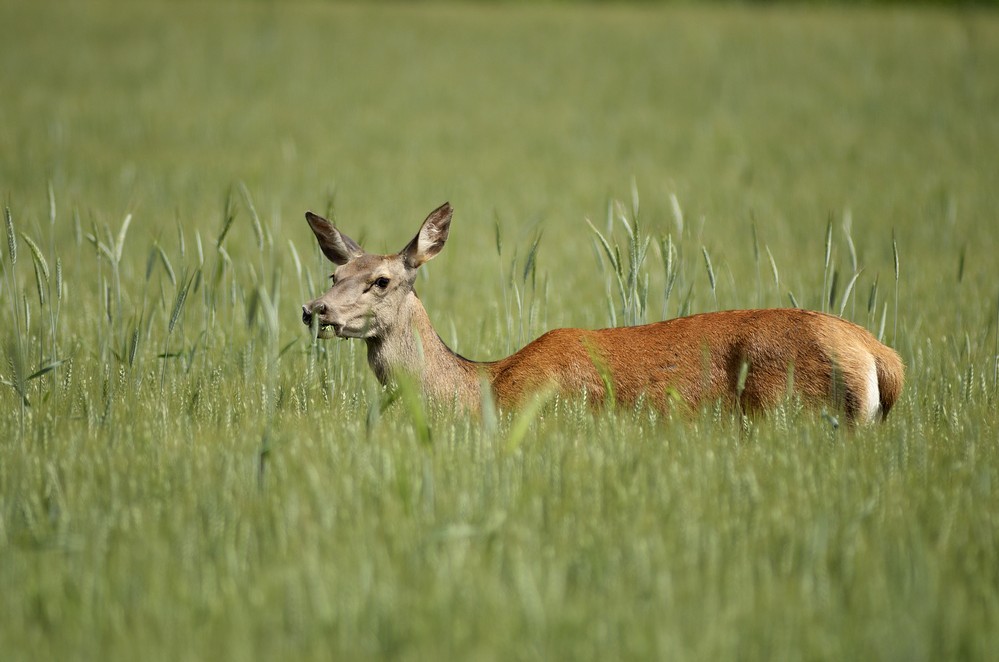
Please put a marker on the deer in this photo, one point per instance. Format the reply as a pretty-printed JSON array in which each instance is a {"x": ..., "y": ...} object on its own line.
[{"x": 749, "y": 360}]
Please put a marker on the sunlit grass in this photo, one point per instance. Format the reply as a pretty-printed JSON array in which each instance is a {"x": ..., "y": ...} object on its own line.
[{"x": 185, "y": 473}]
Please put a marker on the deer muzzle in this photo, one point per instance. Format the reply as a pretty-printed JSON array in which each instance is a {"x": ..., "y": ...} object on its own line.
[{"x": 316, "y": 313}]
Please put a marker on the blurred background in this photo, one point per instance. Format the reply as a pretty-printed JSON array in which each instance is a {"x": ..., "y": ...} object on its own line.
[{"x": 768, "y": 119}]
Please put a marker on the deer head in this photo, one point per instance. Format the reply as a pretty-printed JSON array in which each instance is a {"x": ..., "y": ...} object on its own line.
[{"x": 368, "y": 292}]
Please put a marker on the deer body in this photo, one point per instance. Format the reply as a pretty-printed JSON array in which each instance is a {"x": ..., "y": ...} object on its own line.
[{"x": 748, "y": 359}]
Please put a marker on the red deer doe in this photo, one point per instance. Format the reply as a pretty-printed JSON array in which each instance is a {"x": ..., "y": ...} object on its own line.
[{"x": 745, "y": 358}]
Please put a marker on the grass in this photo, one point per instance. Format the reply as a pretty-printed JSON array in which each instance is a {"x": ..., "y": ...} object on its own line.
[{"x": 184, "y": 475}]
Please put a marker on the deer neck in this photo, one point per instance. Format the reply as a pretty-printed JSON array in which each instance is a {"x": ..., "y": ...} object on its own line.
[{"x": 413, "y": 347}]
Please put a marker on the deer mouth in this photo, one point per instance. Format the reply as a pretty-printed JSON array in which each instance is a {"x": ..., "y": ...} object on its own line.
[{"x": 328, "y": 330}]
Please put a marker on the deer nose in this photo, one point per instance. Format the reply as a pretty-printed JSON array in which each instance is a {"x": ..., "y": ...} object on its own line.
[
  {"x": 310, "y": 310},
  {"x": 308, "y": 313}
]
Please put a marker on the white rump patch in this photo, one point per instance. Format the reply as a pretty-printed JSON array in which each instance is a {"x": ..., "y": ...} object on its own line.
[{"x": 872, "y": 395}]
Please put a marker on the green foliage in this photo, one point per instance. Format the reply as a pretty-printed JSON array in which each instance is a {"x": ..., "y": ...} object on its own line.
[{"x": 186, "y": 472}]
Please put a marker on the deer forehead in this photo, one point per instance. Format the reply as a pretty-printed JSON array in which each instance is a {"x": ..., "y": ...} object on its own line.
[{"x": 371, "y": 267}]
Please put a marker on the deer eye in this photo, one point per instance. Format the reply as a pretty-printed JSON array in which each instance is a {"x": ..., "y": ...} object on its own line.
[
  {"x": 332, "y": 279},
  {"x": 382, "y": 283}
]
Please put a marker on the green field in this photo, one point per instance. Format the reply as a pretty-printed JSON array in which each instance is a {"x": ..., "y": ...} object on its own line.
[{"x": 185, "y": 474}]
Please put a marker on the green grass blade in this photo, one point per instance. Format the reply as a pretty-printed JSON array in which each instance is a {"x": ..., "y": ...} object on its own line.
[{"x": 37, "y": 256}]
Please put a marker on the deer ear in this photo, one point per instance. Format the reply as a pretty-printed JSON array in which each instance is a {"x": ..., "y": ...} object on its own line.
[
  {"x": 338, "y": 247},
  {"x": 429, "y": 241}
]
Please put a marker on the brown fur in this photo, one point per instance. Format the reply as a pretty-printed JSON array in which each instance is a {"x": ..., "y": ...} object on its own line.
[{"x": 698, "y": 360}]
